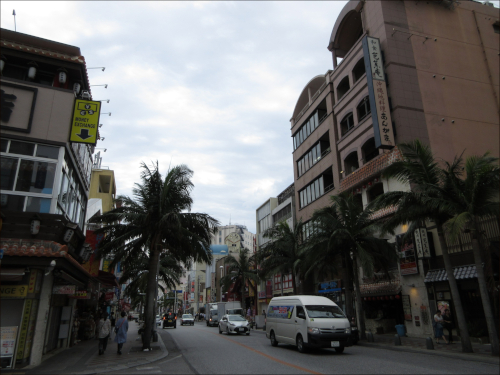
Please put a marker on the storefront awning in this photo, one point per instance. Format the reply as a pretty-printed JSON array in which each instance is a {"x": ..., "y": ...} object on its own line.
[
  {"x": 461, "y": 273},
  {"x": 107, "y": 279},
  {"x": 384, "y": 288}
]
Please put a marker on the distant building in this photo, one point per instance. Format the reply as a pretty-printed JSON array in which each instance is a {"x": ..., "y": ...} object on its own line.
[{"x": 247, "y": 238}]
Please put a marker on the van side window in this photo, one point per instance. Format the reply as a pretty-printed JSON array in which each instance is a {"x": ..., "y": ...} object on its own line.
[{"x": 300, "y": 312}]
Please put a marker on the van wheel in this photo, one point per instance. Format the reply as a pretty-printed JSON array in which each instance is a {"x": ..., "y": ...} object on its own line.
[
  {"x": 300, "y": 344},
  {"x": 273, "y": 339},
  {"x": 220, "y": 331},
  {"x": 340, "y": 350}
]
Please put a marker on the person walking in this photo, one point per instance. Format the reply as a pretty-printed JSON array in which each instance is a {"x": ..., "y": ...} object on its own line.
[
  {"x": 448, "y": 324},
  {"x": 104, "y": 329},
  {"x": 438, "y": 327},
  {"x": 121, "y": 330}
]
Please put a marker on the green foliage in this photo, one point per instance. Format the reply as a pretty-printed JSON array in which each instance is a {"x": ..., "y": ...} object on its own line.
[{"x": 241, "y": 269}]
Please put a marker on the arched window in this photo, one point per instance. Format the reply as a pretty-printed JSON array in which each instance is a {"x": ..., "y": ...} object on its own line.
[
  {"x": 359, "y": 69},
  {"x": 343, "y": 87},
  {"x": 351, "y": 163},
  {"x": 347, "y": 123},
  {"x": 363, "y": 108},
  {"x": 369, "y": 150}
]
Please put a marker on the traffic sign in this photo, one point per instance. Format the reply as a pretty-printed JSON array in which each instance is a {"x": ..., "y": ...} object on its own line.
[{"x": 85, "y": 121}]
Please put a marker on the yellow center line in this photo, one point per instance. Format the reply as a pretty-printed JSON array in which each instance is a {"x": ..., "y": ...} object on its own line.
[{"x": 263, "y": 354}]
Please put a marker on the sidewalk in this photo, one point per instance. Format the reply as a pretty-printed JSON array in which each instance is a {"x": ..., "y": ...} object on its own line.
[{"x": 83, "y": 358}]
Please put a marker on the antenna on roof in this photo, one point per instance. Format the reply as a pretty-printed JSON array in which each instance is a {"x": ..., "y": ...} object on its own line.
[{"x": 14, "y": 14}]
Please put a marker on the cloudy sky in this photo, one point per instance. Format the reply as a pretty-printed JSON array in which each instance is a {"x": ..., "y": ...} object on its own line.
[{"x": 208, "y": 84}]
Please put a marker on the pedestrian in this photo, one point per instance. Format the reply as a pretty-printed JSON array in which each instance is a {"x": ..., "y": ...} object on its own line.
[
  {"x": 438, "y": 327},
  {"x": 121, "y": 332},
  {"x": 448, "y": 324},
  {"x": 104, "y": 329}
]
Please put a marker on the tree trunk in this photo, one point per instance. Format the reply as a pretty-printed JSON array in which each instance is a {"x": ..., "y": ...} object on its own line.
[
  {"x": 243, "y": 305},
  {"x": 359, "y": 303},
  {"x": 462, "y": 324},
  {"x": 347, "y": 286},
  {"x": 483, "y": 289},
  {"x": 149, "y": 317}
]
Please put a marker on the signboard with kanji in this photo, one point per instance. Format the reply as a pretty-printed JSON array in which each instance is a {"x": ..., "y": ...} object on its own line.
[{"x": 377, "y": 91}]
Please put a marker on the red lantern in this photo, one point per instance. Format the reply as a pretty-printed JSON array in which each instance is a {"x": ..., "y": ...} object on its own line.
[
  {"x": 370, "y": 184},
  {"x": 364, "y": 186},
  {"x": 397, "y": 296}
]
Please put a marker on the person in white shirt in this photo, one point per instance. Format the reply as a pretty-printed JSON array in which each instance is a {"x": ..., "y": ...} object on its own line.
[{"x": 104, "y": 329}]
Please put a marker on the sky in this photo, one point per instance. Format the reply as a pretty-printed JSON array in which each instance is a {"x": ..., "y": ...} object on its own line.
[{"x": 212, "y": 85}]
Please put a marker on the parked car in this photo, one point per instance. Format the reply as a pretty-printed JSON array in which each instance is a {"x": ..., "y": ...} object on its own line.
[
  {"x": 234, "y": 324},
  {"x": 158, "y": 320},
  {"x": 170, "y": 320},
  {"x": 187, "y": 319},
  {"x": 212, "y": 319}
]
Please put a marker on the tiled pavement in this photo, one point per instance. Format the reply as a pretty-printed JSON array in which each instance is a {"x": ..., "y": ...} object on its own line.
[{"x": 83, "y": 358}]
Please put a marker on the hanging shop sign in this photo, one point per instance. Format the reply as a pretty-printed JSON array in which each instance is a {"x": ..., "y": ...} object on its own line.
[
  {"x": 13, "y": 291},
  {"x": 109, "y": 296},
  {"x": 64, "y": 289},
  {"x": 422, "y": 243},
  {"x": 377, "y": 92},
  {"x": 407, "y": 256},
  {"x": 329, "y": 287},
  {"x": 406, "y": 307},
  {"x": 81, "y": 294},
  {"x": 85, "y": 121}
]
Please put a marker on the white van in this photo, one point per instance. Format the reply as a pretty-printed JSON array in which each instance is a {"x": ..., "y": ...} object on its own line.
[{"x": 307, "y": 321}]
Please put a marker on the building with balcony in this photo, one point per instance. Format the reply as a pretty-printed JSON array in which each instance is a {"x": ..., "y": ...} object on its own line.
[
  {"x": 45, "y": 181},
  {"x": 402, "y": 70}
]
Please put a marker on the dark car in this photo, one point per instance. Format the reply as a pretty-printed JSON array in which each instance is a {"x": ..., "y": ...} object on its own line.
[{"x": 170, "y": 320}]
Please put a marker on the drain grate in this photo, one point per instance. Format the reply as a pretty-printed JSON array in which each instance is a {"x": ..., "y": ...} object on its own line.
[{"x": 139, "y": 348}]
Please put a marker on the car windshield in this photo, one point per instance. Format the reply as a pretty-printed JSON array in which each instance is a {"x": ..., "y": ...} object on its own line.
[
  {"x": 187, "y": 316},
  {"x": 235, "y": 318},
  {"x": 316, "y": 311}
]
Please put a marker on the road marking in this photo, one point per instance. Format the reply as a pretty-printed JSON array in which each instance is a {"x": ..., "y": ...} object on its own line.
[
  {"x": 264, "y": 354},
  {"x": 171, "y": 359},
  {"x": 147, "y": 368}
]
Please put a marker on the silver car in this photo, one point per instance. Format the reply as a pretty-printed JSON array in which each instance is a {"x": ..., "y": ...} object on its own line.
[
  {"x": 234, "y": 324},
  {"x": 187, "y": 319}
]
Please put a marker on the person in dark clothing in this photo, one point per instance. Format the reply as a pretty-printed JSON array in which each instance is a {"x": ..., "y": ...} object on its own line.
[{"x": 448, "y": 324}]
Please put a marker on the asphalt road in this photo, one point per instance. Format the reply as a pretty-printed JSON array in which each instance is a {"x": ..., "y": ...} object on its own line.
[{"x": 200, "y": 349}]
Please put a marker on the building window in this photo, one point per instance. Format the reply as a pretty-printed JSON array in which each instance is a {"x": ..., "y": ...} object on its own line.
[
  {"x": 351, "y": 163},
  {"x": 318, "y": 151},
  {"x": 283, "y": 214},
  {"x": 347, "y": 123},
  {"x": 309, "y": 126},
  {"x": 316, "y": 189},
  {"x": 363, "y": 109},
  {"x": 359, "y": 69},
  {"x": 343, "y": 87},
  {"x": 496, "y": 27},
  {"x": 369, "y": 150}
]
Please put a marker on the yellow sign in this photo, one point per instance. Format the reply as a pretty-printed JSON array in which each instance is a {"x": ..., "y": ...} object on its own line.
[
  {"x": 85, "y": 121},
  {"x": 24, "y": 328},
  {"x": 7, "y": 291}
]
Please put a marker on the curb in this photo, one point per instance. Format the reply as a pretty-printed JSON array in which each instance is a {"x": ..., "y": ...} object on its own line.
[{"x": 464, "y": 356}]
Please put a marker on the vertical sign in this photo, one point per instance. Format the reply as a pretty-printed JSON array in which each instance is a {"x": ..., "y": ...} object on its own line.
[
  {"x": 418, "y": 243},
  {"x": 24, "y": 328},
  {"x": 426, "y": 249},
  {"x": 8, "y": 345},
  {"x": 85, "y": 121},
  {"x": 407, "y": 258},
  {"x": 377, "y": 90}
]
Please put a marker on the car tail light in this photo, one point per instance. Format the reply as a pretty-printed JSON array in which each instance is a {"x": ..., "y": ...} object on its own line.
[
  {"x": 163, "y": 318},
  {"x": 175, "y": 318}
]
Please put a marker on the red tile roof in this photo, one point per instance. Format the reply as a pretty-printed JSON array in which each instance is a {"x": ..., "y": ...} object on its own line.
[
  {"x": 30, "y": 248},
  {"x": 48, "y": 53}
]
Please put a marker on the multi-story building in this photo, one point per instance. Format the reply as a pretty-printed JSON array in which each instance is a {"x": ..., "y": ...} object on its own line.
[
  {"x": 247, "y": 238},
  {"x": 270, "y": 213},
  {"x": 402, "y": 70},
  {"x": 45, "y": 182}
]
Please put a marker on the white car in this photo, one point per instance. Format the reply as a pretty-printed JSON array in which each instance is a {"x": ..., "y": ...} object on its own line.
[
  {"x": 187, "y": 319},
  {"x": 234, "y": 324},
  {"x": 158, "y": 320}
]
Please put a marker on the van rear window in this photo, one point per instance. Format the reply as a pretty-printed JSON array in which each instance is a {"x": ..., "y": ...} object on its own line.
[{"x": 317, "y": 311}]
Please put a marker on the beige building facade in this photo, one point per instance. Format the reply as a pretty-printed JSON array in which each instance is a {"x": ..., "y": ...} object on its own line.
[{"x": 437, "y": 80}]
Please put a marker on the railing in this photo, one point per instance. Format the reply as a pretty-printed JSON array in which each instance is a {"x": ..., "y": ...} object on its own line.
[
  {"x": 328, "y": 188},
  {"x": 489, "y": 227}
]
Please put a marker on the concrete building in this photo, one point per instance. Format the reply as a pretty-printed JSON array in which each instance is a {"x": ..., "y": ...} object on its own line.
[
  {"x": 270, "y": 213},
  {"x": 402, "y": 70},
  {"x": 45, "y": 181},
  {"x": 247, "y": 238}
]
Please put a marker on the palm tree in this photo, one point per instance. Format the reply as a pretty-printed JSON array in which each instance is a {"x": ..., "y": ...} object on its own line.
[
  {"x": 426, "y": 201},
  {"x": 345, "y": 228},
  {"x": 475, "y": 197},
  {"x": 239, "y": 271},
  {"x": 158, "y": 221},
  {"x": 284, "y": 254}
]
